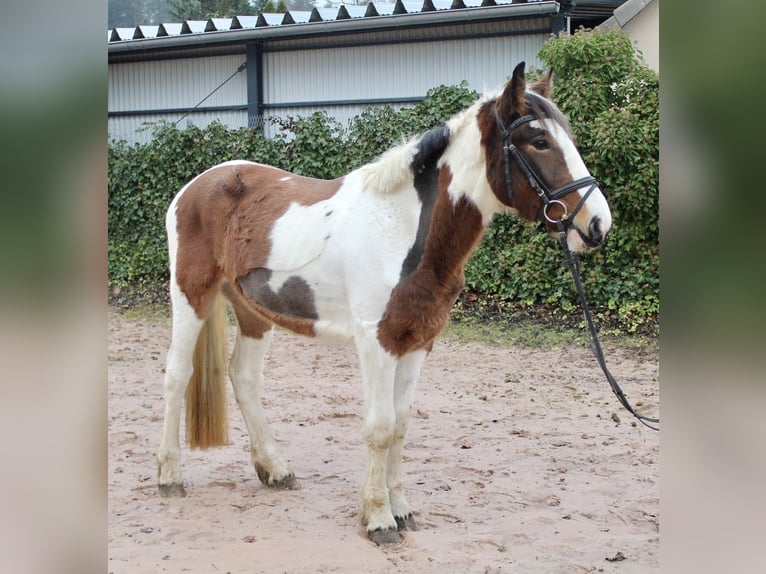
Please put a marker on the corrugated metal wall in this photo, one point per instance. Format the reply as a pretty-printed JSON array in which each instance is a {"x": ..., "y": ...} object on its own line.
[
  {"x": 294, "y": 78},
  {"x": 388, "y": 72},
  {"x": 167, "y": 88},
  {"x": 140, "y": 127},
  {"x": 393, "y": 71}
]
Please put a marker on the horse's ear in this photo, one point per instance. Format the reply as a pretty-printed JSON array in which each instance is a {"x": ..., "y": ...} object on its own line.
[
  {"x": 512, "y": 99},
  {"x": 544, "y": 85}
]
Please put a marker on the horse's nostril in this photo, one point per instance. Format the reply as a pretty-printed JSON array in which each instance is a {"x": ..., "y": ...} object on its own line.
[{"x": 594, "y": 231}]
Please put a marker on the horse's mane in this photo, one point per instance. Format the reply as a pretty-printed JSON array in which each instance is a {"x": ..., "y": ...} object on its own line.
[
  {"x": 395, "y": 167},
  {"x": 391, "y": 169}
]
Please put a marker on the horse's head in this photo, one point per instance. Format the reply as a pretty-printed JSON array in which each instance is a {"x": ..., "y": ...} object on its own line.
[{"x": 534, "y": 167}]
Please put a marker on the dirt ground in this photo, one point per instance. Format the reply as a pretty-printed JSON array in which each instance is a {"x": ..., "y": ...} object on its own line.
[{"x": 517, "y": 460}]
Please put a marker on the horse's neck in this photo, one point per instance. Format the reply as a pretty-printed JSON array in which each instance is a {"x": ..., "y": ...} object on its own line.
[
  {"x": 462, "y": 202},
  {"x": 454, "y": 231},
  {"x": 467, "y": 161},
  {"x": 420, "y": 304}
]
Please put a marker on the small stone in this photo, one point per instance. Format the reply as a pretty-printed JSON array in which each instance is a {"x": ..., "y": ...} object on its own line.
[{"x": 619, "y": 557}]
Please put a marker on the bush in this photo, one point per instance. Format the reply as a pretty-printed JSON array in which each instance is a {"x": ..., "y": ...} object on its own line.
[{"x": 611, "y": 99}]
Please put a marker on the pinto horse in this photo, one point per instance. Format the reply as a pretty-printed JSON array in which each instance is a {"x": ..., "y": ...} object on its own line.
[{"x": 376, "y": 256}]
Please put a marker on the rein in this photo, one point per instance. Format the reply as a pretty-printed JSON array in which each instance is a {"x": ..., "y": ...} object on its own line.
[
  {"x": 563, "y": 223},
  {"x": 572, "y": 262}
]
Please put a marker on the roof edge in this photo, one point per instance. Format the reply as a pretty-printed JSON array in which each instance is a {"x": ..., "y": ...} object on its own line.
[{"x": 369, "y": 23}]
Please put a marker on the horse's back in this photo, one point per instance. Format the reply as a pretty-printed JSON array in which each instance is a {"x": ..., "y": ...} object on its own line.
[{"x": 233, "y": 206}]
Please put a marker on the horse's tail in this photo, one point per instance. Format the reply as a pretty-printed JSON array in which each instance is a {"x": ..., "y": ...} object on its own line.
[{"x": 206, "y": 417}]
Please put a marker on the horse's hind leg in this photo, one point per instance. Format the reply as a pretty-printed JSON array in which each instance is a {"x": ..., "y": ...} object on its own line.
[
  {"x": 246, "y": 373},
  {"x": 405, "y": 381},
  {"x": 186, "y": 328}
]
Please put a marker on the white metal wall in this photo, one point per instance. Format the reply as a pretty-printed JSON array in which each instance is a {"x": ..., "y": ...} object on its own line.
[
  {"x": 177, "y": 84},
  {"x": 392, "y": 71},
  {"x": 139, "y": 128}
]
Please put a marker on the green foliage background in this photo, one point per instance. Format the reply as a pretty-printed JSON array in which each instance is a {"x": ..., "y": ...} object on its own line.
[{"x": 611, "y": 99}]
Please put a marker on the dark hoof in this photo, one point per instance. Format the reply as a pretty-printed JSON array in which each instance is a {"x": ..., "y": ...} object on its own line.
[
  {"x": 175, "y": 490},
  {"x": 406, "y": 523},
  {"x": 286, "y": 483},
  {"x": 382, "y": 536}
]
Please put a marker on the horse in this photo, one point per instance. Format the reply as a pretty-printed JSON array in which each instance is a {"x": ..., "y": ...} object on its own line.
[{"x": 375, "y": 256}]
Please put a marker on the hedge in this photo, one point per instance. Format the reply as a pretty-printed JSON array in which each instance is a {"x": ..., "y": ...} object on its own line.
[{"x": 611, "y": 99}]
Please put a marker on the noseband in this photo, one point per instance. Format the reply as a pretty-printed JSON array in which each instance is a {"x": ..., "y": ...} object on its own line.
[{"x": 547, "y": 196}]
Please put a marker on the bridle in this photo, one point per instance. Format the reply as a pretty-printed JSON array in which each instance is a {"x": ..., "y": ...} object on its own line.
[
  {"x": 548, "y": 197},
  {"x": 553, "y": 197}
]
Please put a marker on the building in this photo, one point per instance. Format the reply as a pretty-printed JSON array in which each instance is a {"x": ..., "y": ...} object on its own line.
[
  {"x": 244, "y": 70},
  {"x": 640, "y": 20}
]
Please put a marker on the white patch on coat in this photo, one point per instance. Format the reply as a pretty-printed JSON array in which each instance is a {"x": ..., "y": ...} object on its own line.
[
  {"x": 466, "y": 159},
  {"x": 596, "y": 204},
  {"x": 355, "y": 253}
]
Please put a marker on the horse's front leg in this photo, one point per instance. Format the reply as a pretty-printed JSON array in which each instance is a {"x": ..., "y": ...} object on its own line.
[
  {"x": 378, "y": 368},
  {"x": 405, "y": 381}
]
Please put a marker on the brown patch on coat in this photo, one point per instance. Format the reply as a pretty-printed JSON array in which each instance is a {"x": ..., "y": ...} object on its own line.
[
  {"x": 255, "y": 319},
  {"x": 293, "y": 303},
  {"x": 224, "y": 223},
  {"x": 420, "y": 304}
]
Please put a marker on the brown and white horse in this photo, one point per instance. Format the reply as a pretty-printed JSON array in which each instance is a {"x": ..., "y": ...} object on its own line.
[{"x": 375, "y": 256}]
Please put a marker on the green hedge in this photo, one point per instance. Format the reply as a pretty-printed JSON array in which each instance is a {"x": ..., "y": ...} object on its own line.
[{"x": 612, "y": 101}]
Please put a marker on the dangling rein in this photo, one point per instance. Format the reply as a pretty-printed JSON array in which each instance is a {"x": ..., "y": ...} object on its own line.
[{"x": 572, "y": 262}]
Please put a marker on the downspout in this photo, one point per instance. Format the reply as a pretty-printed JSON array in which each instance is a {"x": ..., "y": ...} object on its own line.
[
  {"x": 560, "y": 21},
  {"x": 254, "y": 54}
]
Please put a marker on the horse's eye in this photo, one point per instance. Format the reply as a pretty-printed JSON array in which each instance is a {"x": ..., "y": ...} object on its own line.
[{"x": 541, "y": 144}]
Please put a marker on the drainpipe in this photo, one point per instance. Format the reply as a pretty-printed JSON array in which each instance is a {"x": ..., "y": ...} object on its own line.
[
  {"x": 560, "y": 21},
  {"x": 254, "y": 52}
]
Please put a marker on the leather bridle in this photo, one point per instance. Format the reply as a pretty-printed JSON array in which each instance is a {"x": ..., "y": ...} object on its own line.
[
  {"x": 553, "y": 197},
  {"x": 548, "y": 197}
]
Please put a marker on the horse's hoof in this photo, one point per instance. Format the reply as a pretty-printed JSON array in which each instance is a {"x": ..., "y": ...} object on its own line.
[
  {"x": 174, "y": 490},
  {"x": 382, "y": 536},
  {"x": 285, "y": 483},
  {"x": 406, "y": 522}
]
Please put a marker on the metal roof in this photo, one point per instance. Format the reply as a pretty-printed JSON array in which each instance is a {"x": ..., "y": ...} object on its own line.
[
  {"x": 374, "y": 15},
  {"x": 377, "y": 15}
]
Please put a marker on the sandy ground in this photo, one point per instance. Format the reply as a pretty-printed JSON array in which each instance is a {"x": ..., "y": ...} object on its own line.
[{"x": 514, "y": 463}]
